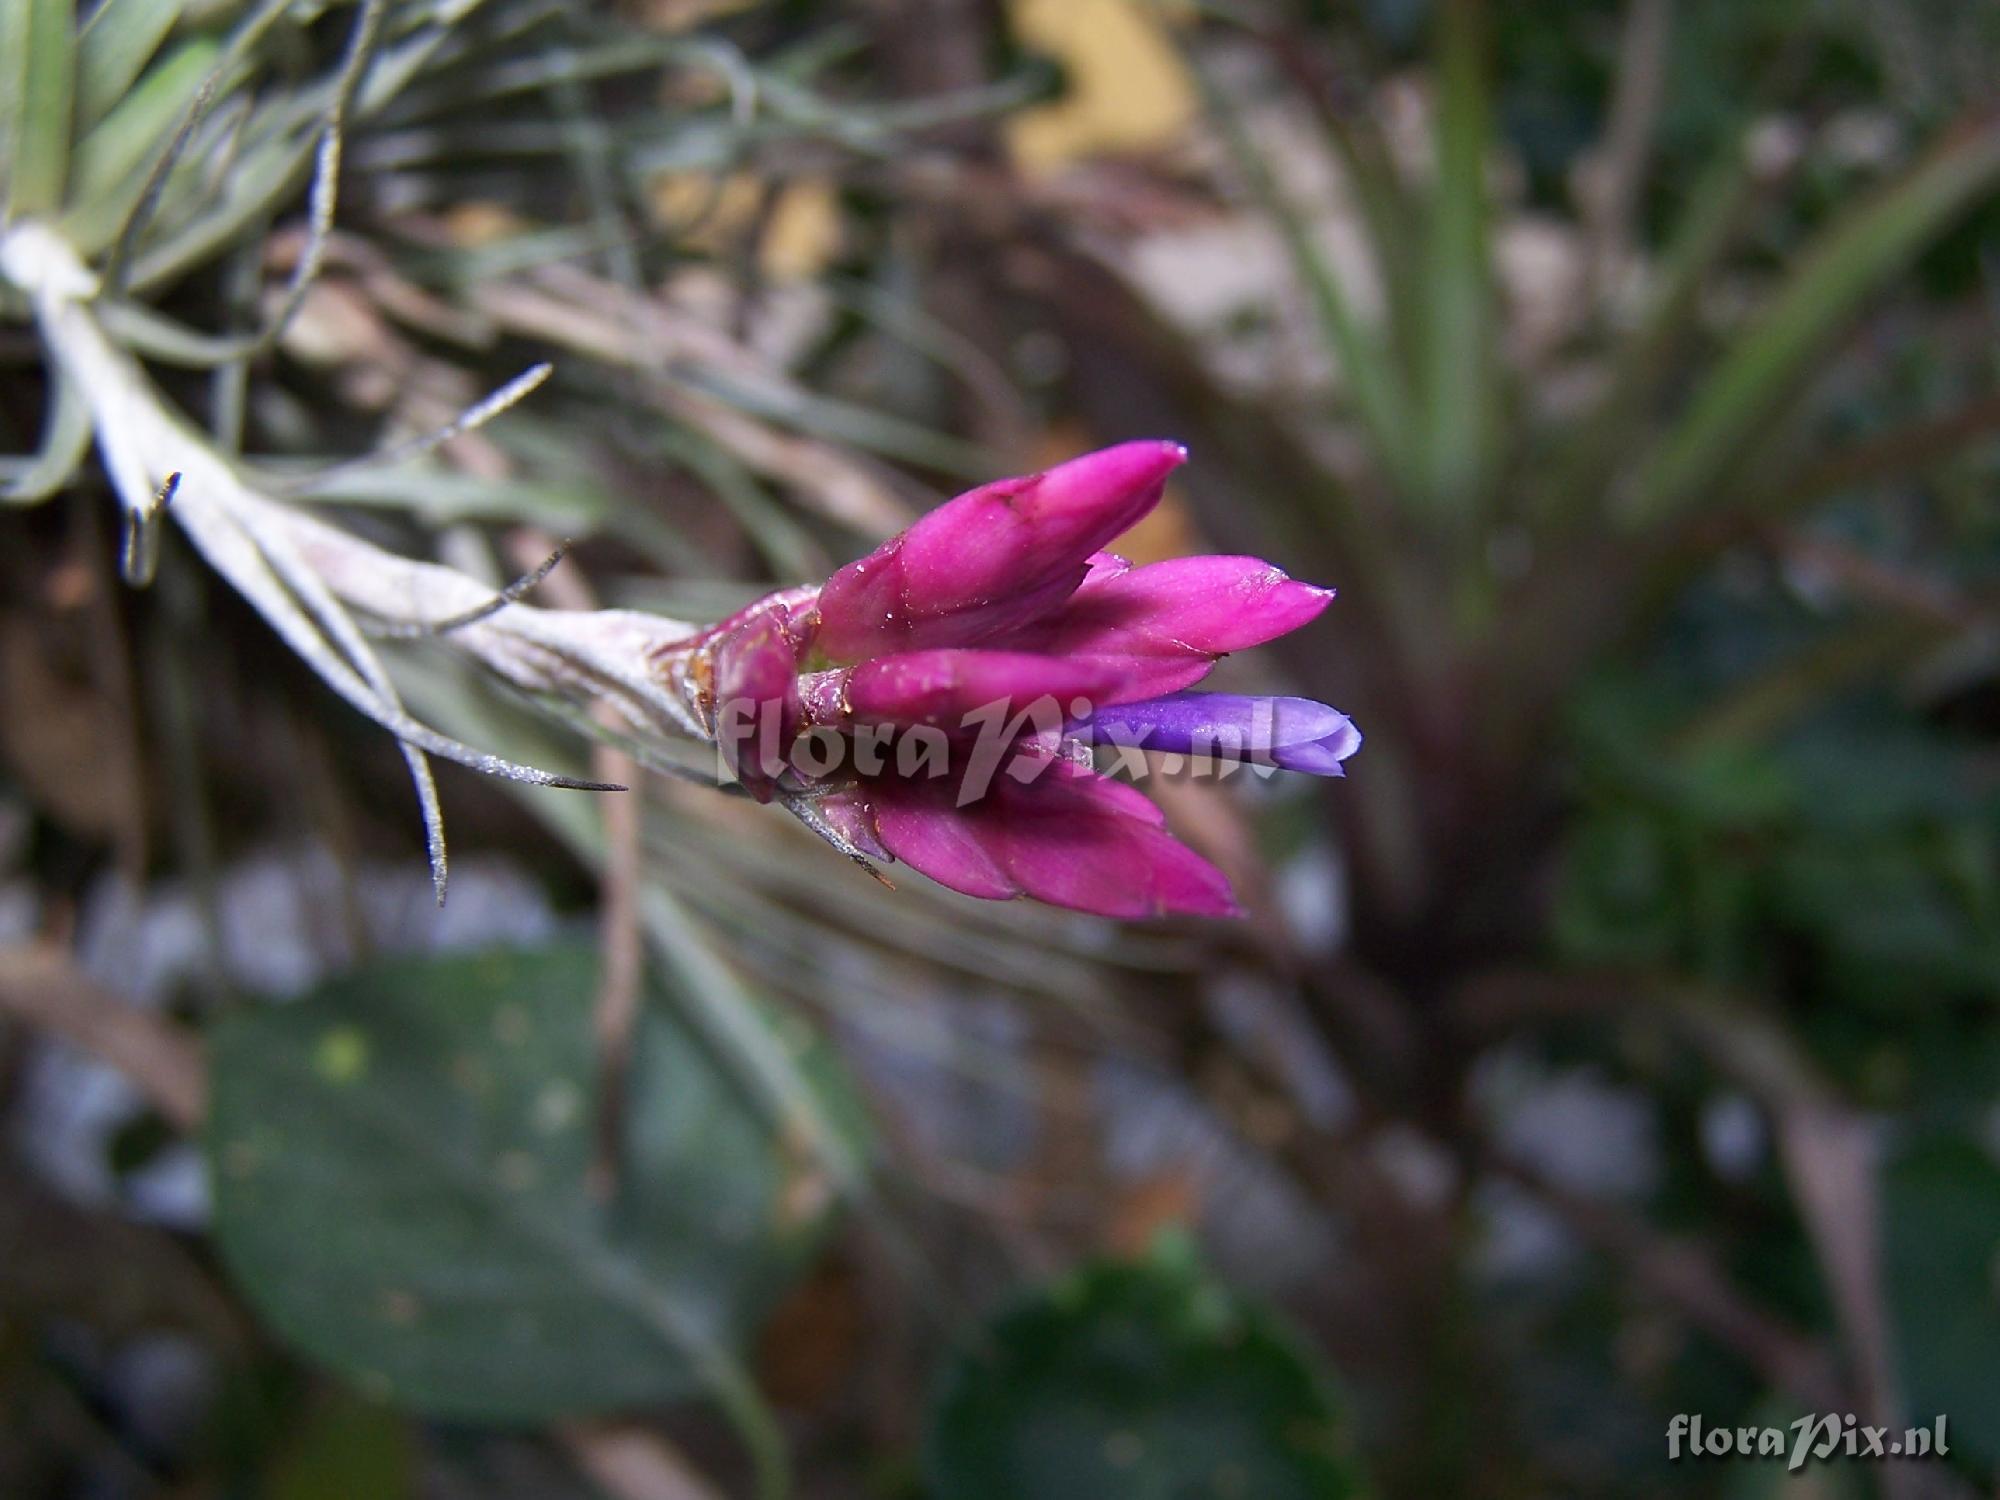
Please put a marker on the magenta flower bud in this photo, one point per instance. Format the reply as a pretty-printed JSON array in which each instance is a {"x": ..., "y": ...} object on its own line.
[
  {"x": 943, "y": 688},
  {"x": 754, "y": 666},
  {"x": 1295, "y": 734},
  {"x": 1070, "y": 837},
  {"x": 1166, "y": 623},
  {"x": 991, "y": 559}
]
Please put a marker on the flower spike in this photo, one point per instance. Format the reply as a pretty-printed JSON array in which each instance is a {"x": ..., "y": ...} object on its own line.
[{"x": 995, "y": 642}]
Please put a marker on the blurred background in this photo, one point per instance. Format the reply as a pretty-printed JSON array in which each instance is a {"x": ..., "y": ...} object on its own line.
[{"x": 1618, "y": 1040}]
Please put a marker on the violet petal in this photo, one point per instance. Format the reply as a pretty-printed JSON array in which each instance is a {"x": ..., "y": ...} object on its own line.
[{"x": 1297, "y": 734}]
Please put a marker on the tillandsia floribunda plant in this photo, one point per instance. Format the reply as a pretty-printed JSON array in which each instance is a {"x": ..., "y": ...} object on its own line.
[{"x": 935, "y": 701}]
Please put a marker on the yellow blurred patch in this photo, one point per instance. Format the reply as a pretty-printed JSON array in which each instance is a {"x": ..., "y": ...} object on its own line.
[
  {"x": 696, "y": 206},
  {"x": 802, "y": 235},
  {"x": 804, "y": 232},
  {"x": 1127, "y": 88},
  {"x": 478, "y": 222}
]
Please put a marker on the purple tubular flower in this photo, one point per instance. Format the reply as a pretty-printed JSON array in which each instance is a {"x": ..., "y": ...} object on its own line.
[
  {"x": 993, "y": 558},
  {"x": 1003, "y": 600},
  {"x": 1295, "y": 734}
]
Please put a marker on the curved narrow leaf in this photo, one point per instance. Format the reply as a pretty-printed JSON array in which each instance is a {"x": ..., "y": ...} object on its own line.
[
  {"x": 1381, "y": 400},
  {"x": 1459, "y": 376},
  {"x": 138, "y": 121},
  {"x": 1849, "y": 262},
  {"x": 116, "y": 43},
  {"x": 39, "y": 139},
  {"x": 65, "y": 445}
]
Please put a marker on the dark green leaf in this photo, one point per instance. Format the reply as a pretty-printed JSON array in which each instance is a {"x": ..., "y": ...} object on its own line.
[
  {"x": 400, "y": 1164},
  {"x": 1137, "y": 1382},
  {"x": 1941, "y": 1228}
]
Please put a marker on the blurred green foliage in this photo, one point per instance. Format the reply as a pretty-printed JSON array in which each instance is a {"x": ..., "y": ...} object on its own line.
[{"x": 1146, "y": 1379}]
